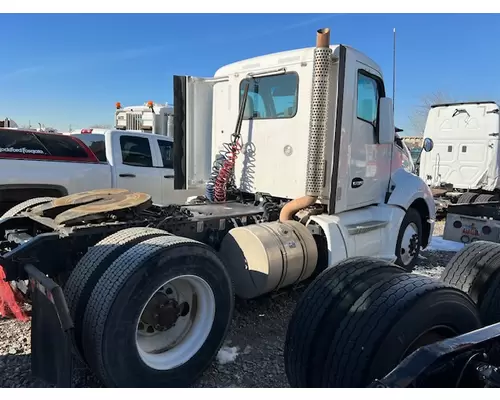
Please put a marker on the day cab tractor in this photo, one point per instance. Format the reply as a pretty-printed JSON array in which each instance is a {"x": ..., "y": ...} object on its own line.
[{"x": 144, "y": 294}]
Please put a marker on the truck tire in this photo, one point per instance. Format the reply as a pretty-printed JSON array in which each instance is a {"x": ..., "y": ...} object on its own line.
[
  {"x": 489, "y": 309},
  {"x": 409, "y": 240},
  {"x": 394, "y": 317},
  {"x": 25, "y": 205},
  {"x": 190, "y": 312},
  {"x": 91, "y": 266},
  {"x": 485, "y": 198},
  {"x": 467, "y": 198},
  {"x": 475, "y": 270},
  {"x": 319, "y": 311}
]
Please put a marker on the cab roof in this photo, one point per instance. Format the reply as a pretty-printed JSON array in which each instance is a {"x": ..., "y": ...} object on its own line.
[
  {"x": 287, "y": 57},
  {"x": 463, "y": 103}
]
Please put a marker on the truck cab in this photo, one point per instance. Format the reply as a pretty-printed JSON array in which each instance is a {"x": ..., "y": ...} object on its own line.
[
  {"x": 466, "y": 153},
  {"x": 464, "y": 166},
  {"x": 148, "y": 118},
  {"x": 342, "y": 149}
]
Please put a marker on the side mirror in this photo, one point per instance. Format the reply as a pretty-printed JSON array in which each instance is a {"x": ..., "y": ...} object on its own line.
[
  {"x": 428, "y": 145},
  {"x": 385, "y": 129}
]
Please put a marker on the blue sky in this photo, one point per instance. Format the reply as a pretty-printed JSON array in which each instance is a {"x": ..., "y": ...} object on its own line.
[{"x": 71, "y": 68}]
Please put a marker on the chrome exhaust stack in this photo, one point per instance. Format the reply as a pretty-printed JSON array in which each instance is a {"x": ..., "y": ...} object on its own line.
[{"x": 318, "y": 126}]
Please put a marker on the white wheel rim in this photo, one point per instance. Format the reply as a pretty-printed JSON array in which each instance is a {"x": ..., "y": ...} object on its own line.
[
  {"x": 409, "y": 242},
  {"x": 168, "y": 348}
]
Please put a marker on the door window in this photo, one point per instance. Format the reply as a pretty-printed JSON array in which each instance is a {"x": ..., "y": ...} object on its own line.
[
  {"x": 136, "y": 151},
  {"x": 166, "y": 153},
  {"x": 367, "y": 101}
]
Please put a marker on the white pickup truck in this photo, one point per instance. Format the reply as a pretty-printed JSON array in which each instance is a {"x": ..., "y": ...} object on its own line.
[{"x": 38, "y": 164}]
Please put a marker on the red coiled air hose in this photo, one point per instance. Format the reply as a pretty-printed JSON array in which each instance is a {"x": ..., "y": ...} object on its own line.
[{"x": 225, "y": 172}]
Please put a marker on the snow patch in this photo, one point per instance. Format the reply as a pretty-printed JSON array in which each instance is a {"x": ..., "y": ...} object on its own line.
[
  {"x": 227, "y": 354},
  {"x": 440, "y": 244}
]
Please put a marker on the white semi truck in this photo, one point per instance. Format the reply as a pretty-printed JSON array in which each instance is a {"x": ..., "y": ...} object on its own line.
[
  {"x": 148, "y": 118},
  {"x": 297, "y": 153},
  {"x": 464, "y": 166}
]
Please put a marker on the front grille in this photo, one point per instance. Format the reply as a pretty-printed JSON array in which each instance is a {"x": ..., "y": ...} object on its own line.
[{"x": 134, "y": 121}]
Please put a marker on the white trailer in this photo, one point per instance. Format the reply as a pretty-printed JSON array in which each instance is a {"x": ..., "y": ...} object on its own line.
[
  {"x": 310, "y": 176},
  {"x": 465, "y": 161},
  {"x": 148, "y": 118}
]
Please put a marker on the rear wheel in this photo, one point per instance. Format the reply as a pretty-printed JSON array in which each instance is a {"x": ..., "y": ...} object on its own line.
[
  {"x": 391, "y": 320},
  {"x": 394, "y": 316},
  {"x": 319, "y": 312},
  {"x": 158, "y": 315},
  {"x": 485, "y": 198},
  {"x": 476, "y": 270},
  {"x": 467, "y": 198},
  {"x": 90, "y": 268},
  {"x": 489, "y": 308}
]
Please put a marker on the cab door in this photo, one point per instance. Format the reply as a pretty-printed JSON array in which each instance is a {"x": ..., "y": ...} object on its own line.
[
  {"x": 369, "y": 165},
  {"x": 361, "y": 165}
]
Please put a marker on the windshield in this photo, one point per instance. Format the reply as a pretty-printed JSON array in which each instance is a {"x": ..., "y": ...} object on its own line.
[
  {"x": 415, "y": 154},
  {"x": 408, "y": 162}
]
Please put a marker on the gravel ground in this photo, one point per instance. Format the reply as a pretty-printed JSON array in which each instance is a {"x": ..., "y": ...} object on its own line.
[{"x": 251, "y": 357}]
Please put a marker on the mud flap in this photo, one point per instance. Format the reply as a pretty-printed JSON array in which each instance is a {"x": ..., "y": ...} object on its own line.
[{"x": 51, "y": 325}]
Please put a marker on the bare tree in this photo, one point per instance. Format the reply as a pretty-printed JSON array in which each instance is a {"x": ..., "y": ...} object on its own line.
[{"x": 418, "y": 117}]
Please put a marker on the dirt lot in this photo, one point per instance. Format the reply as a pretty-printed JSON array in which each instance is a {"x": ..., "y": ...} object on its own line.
[{"x": 251, "y": 357}]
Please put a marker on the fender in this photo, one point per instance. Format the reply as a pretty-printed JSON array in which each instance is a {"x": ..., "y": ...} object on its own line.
[
  {"x": 407, "y": 188},
  {"x": 410, "y": 190}
]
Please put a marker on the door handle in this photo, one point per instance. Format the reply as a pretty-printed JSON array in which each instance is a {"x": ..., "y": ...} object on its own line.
[
  {"x": 127, "y": 175},
  {"x": 168, "y": 176}
]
